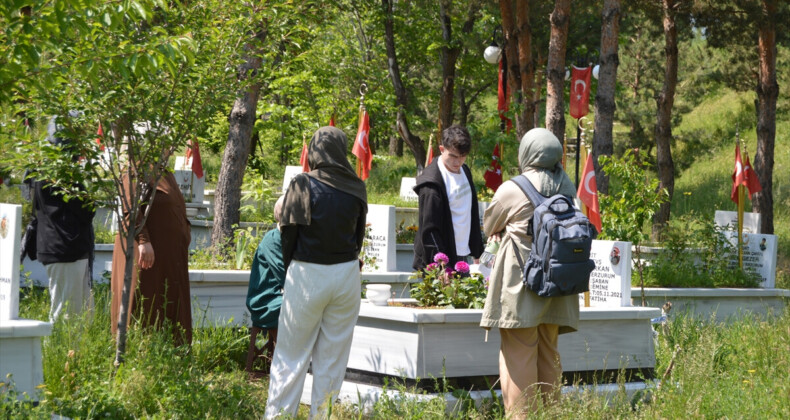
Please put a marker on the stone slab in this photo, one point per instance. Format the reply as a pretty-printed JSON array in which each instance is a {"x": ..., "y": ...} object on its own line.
[{"x": 10, "y": 235}]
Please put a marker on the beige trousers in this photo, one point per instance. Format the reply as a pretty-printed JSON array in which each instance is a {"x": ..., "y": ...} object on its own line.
[
  {"x": 69, "y": 289},
  {"x": 529, "y": 368}
]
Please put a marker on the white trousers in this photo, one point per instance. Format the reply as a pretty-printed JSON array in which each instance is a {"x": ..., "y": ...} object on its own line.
[
  {"x": 69, "y": 288},
  {"x": 317, "y": 318}
]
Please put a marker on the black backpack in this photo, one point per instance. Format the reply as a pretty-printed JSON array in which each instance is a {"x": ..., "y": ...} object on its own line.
[{"x": 559, "y": 263}]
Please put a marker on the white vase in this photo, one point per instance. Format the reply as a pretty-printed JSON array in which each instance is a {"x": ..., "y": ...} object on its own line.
[{"x": 378, "y": 294}]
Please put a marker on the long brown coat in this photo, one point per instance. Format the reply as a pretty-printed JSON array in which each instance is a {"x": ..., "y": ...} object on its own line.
[{"x": 164, "y": 288}]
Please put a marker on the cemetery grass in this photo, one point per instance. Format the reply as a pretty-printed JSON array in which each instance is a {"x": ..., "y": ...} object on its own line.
[{"x": 736, "y": 370}]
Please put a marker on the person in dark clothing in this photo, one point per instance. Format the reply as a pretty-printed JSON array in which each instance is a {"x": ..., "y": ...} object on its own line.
[
  {"x": 64, "y": 242},
  {"x": 265, "y": 293},
  {"x": 323, "y": 226},
  {"x": 449, "y": 219}
]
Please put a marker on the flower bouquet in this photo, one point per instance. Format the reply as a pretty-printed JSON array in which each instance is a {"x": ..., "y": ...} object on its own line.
[{"x": 449, "y": 287}]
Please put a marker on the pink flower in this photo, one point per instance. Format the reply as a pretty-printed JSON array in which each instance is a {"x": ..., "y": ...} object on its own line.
[
  {"x": 462, "y": 267},
  {"x": 441, "y": 258},
  {"x": 431, "y": 267},
  {"x": 449, "y": 271}
]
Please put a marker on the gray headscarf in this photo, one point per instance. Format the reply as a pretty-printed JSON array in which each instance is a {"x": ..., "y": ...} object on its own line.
[
  {"x": 539, "y": 157},
  {"x": 328, "y": 162}
]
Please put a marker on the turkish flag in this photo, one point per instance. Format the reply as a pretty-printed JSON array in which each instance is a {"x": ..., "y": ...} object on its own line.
[
  {"x": 331, "y": 122},
  {"x": 743, "y": 174},
  {"x": 493, "y": 174},
  {"x": 303, "y": 158},
  {"x": 100, "y": 133},
  {"x": 193, "y": 158},
  {"x": 588, "y": 193},
  {"x": 580, "y": 91},
  {"x": 503, "y": 99},
  {"x": 430, "y": 155},
  {"x": 361, "y": 146}
]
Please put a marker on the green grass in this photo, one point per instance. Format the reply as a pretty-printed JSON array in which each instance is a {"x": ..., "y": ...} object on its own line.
[{"x": 719, "y": 372}]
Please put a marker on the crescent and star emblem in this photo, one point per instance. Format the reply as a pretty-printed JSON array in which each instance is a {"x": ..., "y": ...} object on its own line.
[
  {"x": 590, "y": 175},
  {"x": 360, "y": 137},
  {"x": 584, "y": 87},
  {"x": 738, "y": 168}
]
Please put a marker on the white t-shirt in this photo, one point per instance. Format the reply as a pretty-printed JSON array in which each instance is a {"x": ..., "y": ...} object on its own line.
[{"x": 459, "y": 192}]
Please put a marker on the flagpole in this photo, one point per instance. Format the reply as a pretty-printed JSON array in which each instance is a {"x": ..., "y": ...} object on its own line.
[
  {"x": 586, "y": 212},
  {"x": 741, "y": 197}
]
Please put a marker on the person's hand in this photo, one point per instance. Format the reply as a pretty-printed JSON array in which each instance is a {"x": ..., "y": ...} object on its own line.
[
  {"x": 146, "y": 258},
  {"x": 495, "y": 237}
]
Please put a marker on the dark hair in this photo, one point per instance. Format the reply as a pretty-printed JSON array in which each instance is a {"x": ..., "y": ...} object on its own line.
[{"x": 456, "y": 137}]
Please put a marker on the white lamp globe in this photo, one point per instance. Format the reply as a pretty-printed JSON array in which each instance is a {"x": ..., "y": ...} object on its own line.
[
  {"x": 567, "y": 74},
  {"x": 595, "y": 71},
  {"x": 492, "y": 53}
]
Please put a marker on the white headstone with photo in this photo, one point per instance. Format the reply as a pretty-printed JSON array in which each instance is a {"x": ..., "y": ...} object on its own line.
[
  {"x": 407, "y": 189},
  {"x": 10, "y": 234},
  {"x": 380, "y": 238},
  {"x": 759, "y": 255},
  {"x": 290, "y": 172},
  {"x": 729, "y": 221},
  {"x": 610, "y": 282},
  {"x": 190, "y": 185}
]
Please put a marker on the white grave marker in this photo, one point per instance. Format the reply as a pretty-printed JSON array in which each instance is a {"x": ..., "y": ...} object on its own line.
[
  {"x": 290, "y": 172},
  {"x": 10, "y": 234},
  {"x": 191, "y": 186},
  {"x": 407, "y": 189},
  {"x": 610, "y": 282},
  {"x": 381, "y": 238},
  {"x": 759, "y": 254},
  {"x": 729, "y": 221}
]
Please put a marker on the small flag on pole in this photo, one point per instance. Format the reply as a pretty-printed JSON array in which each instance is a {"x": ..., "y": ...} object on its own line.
[
  {"x": 743, "y": 174},
  {"x": 361, "y": 146},
  {"x": 493, "y": 174},
  {"x": 193, "y": 158},
  {"x": 580, "y": 91},
  {"x": 100, "y": 134},
  {"x": 588, "y": 193},
  {"x": 303, "y": 157},
  {"x": 503, "y": 98}
]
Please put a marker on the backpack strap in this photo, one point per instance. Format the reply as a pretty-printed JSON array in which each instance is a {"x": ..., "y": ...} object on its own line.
[{"x": 529, "y": 190}]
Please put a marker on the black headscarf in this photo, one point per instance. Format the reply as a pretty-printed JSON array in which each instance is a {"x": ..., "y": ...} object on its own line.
[{"x": 327, "y": 158}]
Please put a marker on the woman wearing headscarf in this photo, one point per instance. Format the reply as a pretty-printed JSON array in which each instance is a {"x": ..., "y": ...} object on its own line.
[
  {"x": 322, "y": 226},
  {"x": 529, "y": 360}
]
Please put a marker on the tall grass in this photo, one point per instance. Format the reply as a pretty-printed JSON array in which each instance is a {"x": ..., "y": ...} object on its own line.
[{"x": 735, "y": 370}]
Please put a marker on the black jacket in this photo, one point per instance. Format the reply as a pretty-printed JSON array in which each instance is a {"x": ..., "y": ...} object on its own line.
[
  {"x": 435, "y": 232},
  {"x": 65, "y": 228},
  {"x": 335, "y": 232}
]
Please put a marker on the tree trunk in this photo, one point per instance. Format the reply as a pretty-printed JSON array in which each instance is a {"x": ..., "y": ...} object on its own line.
[
  {"x": 663, "y": 131},
  {"x": 555, "y": 84},
  {"x": 526, "y": 120},
  {"x": 237, "y": 149},
  {"x": 401, "y": 95},
  {"x": 511, "y": 55},
  {"x": 449, "y": 56},
  {"x": 396, "y": 146},
  {"x": 604, "y": 98},
  {"x": 767, "y": 93}
]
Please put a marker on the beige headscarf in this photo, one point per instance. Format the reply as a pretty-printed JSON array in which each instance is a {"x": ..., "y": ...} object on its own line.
[
  {"x": 539, "y": 155},
  {"x": 327, "y": 158}
]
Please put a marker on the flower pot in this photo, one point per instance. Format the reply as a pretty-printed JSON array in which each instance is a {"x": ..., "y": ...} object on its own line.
[{"x": 378, "y": 294}]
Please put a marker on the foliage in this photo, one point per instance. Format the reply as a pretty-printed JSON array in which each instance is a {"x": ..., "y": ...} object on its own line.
[
  {"x": 246, "y": 243},
  {"x": 258, "y": 201},
  {"x": 448, "y": 287},
  {"x": 405, "y": 234},
  {"x": 696, "y": 253},
  {"x": 365, "y": 255}
]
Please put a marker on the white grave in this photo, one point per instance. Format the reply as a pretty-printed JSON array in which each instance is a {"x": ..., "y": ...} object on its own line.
[
  {"x": 759, "y": 254},
  {"x": 381, "y": 238},
  {"x": 610, "y": 282},
  {"x": 407, "y": 189},
  {"x": 729, "y": 220},
  {"x": 190, "y": 185},
  {"x": 20, "y": 339},
  {"x": 290, "y": 172}
]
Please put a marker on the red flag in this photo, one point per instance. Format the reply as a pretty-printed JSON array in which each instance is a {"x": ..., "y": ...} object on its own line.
[
  {"x": 303, "y": 157},
  {"x": 430, "y": 155},
  {"x": 100, "y": 133},
  {"x": 331, "y": 122},
  {"x": 580, "y": 91},
  {"x": 743, "y": 174},
  {"x": 503, "y": 98},
  {"x": 588, "y": 193},
  {"x": 362, "y": 148},
  {"x": 493, "y": 174},
  {"x": 193, "y": 153}
]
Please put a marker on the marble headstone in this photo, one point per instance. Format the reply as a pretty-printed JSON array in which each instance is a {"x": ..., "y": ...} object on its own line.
[
  {"x": 610, "y": 282},
  {"x": 190, "y": 185},
  {"x": 729, "y": 221},
  {"x": 10, "y": 234},
  {"x": 290, "y": 172},
  {"x": 759, "y": 254},
  {"x": 407, "y": 189},
  {"x": 381, "y": 238}
]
